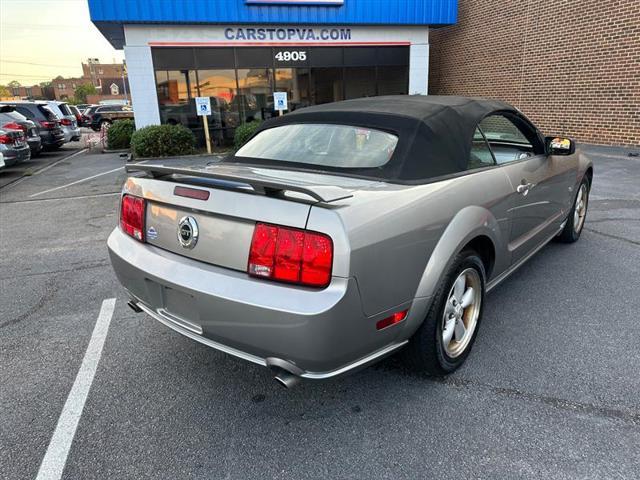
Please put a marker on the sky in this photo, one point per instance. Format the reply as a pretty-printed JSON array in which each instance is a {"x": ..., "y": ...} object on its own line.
[{"x": 41, "y": 39}]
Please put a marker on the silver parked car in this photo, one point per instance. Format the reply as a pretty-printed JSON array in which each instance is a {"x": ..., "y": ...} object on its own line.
[
  {"x": 68, "y": 120},
  {"x": 10, "y": 119},
  {"x": 14, "y": 147},
  {"x": 340, "y": 233}
]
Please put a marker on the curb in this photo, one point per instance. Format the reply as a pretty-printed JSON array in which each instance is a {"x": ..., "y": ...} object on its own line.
[{"x": 119, "y": 150}]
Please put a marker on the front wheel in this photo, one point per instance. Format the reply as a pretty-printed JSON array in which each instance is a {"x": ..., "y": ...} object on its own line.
[
  {"x": 444, "y": 340},
  {"x": 575, "y": 222}
]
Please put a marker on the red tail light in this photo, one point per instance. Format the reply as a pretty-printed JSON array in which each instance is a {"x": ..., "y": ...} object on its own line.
[
  {"x": 291, "y": 255},
  {"x": 65, "y": 121},
  {"x": 6, "y": 139},
  {"x": 47, "y": 124},
  {"x": 132, "y": 211},
  {"x": 15, "y": 126}
]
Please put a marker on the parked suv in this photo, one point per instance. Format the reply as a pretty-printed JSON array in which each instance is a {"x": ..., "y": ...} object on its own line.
[
  {"x": 68, "y": 120},
  {"x": 47, "y": 123},
  {"x": 76, "y": 113},
  {"x": 13, "y": 146},
  {"x": 99, "y": 115},
  {"x": 10, "y": 119}
]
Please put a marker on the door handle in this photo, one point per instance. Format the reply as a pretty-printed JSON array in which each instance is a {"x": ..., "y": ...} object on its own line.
[{"x": 524, "y": 188}]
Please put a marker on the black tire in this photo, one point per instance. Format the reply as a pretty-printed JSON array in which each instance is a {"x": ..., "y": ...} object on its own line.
[
  {"x": 569, "y": 233},
  {"x": 425, "y": 351}
]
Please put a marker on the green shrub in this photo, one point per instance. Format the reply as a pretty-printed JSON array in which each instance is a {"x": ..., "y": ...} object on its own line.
[
  {"x": 162, "y": 141},
  {"x": 244, "y": 132},
  {"x": 119, "y": 134}
]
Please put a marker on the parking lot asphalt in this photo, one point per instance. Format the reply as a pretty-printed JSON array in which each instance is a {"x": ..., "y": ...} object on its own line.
[
  {"x": 43, "y": 161},
  {"x": 550, "y": 390}
]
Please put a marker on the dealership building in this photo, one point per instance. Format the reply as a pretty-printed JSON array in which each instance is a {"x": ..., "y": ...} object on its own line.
[
  {"x": 579, "y": 77},
  {"x": 239, "y": 52}
]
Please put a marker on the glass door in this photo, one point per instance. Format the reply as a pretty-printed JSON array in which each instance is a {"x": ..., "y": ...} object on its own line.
[
  {"x": 327, "y": 85},
  {"x": 221, "y": 88},
  {"x": 255, "y": 94},
  {"x": 294, "y": 81}
]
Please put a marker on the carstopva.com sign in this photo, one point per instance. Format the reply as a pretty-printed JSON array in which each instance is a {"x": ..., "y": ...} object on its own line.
[{"x": 287, "y": 34}]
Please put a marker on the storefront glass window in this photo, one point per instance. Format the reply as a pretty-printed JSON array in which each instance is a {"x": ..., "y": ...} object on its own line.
[
  {"x": 393, "y": 80},
  {"x": 221, "y": 88},
  {"x": 176, "y": 90},
  {"x": 360, "y": 82},
  {"x": 327, "y": 85},
  {"x": 294, "y": 81},
  {"x": 240, "y": 81},
  {"x": 255, "y": 94}
]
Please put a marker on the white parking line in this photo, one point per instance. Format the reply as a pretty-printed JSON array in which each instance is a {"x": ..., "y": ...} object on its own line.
[
  {"x": 55, "y": 459},
  {"x": 42, "y": 170},
  {"x": 76, "y": 182}
]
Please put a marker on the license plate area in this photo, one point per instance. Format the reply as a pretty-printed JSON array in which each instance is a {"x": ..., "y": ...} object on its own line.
[{"x": 181, "y": 308}]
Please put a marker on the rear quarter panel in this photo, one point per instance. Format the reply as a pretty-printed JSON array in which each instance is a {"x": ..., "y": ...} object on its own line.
[{"x": 393, "y": 232}]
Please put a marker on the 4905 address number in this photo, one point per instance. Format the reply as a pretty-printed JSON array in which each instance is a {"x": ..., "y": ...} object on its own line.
[{"x": 294, "y": 56}]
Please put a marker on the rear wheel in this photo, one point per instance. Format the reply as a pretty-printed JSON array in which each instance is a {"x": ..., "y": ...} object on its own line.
[
  {"x": 444, "y": 340},
  {"x": 577, "y": 216}
]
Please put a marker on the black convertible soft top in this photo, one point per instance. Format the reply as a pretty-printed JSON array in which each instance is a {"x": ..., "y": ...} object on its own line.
[{"x": 435, "y": 132}]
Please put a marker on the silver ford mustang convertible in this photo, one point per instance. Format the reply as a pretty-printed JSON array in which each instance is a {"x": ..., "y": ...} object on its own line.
[{"x": 343, "y": 232}]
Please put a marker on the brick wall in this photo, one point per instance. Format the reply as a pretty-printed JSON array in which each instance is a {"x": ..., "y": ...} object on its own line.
[{"x": 572, "y": 66}]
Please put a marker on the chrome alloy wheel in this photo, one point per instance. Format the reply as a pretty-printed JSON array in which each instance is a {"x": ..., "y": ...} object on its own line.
[
  {"x": 580, "y": 212},
  {"x": 461, "y": 312}
]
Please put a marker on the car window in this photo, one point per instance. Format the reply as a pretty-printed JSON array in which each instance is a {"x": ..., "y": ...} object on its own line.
[
  {"x": 480, "y": 155},
  {"x": 24, "y": 111},
  {"x": 338, "y": 146},
  {"x": 64, "y": 108},
  {"x": 48, "y": 113},
  {"x": 509, "y": 139},
  {"x": 17, "y": 116}
]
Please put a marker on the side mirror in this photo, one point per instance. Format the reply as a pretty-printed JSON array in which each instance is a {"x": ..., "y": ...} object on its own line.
[{"x": 560, "y": 146}]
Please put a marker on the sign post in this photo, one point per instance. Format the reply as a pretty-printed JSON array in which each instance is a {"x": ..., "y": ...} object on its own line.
[
  {"x": 203, "y": 109},
  {"x": 280, "y": 100}
]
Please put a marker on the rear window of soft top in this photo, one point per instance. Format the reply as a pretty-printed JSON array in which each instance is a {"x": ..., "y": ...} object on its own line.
[{"x": 328, "y": 145}]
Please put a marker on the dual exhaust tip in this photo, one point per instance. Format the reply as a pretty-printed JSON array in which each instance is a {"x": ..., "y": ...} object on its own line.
[
  {"x": 287, "y": 379},
  {"x": 283, "y": 377}
]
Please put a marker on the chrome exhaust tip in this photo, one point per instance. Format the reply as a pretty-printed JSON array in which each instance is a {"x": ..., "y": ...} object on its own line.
[{"x": 287, "y": 379}]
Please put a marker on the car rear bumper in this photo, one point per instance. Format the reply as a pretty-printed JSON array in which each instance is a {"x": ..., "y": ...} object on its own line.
[
  {"x": 35, "y": 144},
  {"x": 75, "y": 134},
  {"x": 51, "y": 138},
  {"x": 16, "y": 155},
  {"x": 69, "y": 133},
  {"x": 310, "y": 333}
]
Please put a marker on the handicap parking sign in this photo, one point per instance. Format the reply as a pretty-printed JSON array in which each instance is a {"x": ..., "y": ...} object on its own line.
[
  {"x": 280, "y": 100},
  {"x": 203, "y": 106}
]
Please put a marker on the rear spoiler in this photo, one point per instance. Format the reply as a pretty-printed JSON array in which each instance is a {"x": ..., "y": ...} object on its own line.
[{"x": 260, "y": 184}]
